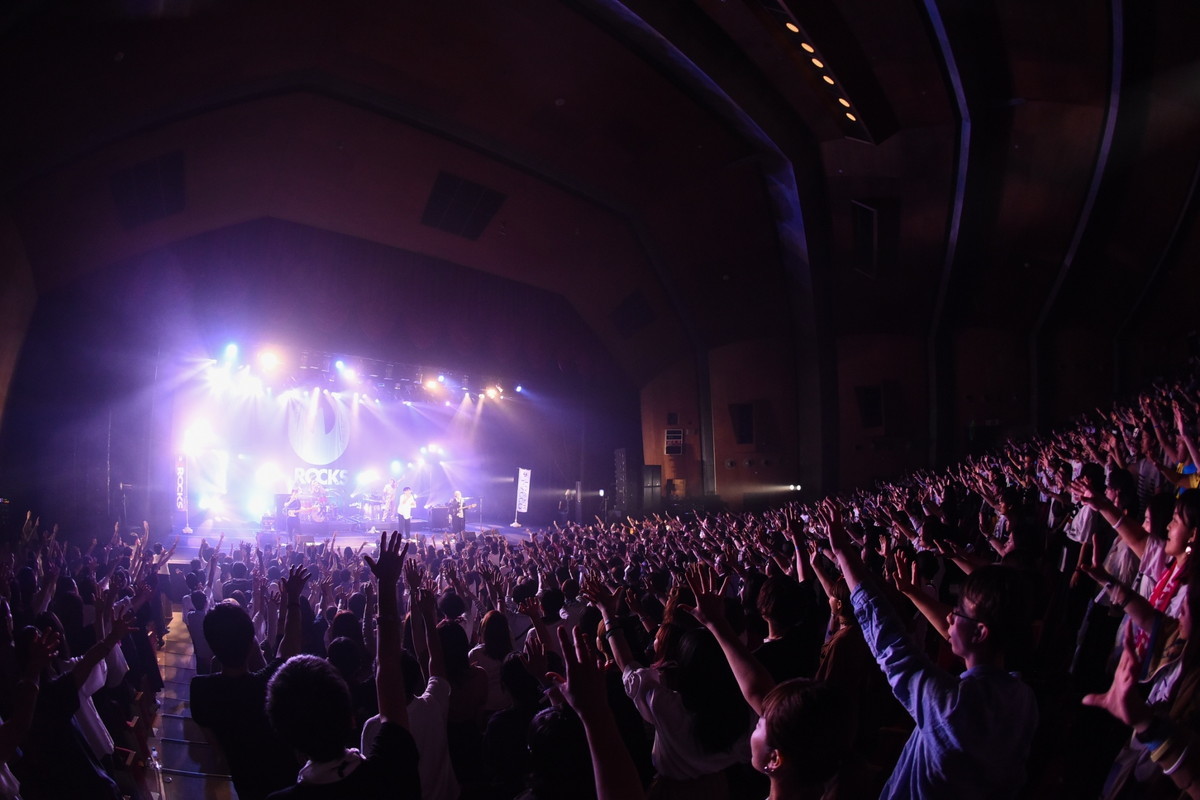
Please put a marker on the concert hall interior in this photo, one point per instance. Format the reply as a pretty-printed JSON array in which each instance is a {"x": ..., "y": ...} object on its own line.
[
  {"x": 645, "y": 301},
  {"x": 737, "y": 251}
]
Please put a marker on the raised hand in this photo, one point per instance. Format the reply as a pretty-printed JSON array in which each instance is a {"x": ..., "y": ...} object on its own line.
[
  {"x": 293, "y": 585},
  {"x": 122, "y": 625},
  {"x": 534, "y": 656},
  {"x": 1090, "y": 562},
  {"x": 710, "y": 598},
  {"x": 391, "y": 558},
  {"x": 1122, "y": 699},
  {"x": 531, "y": 608},
  {"x": 426, "y": 604},
  {"x": 414, "y": 575},
  {"x": 599, "y": 594},
  {"x": 42, "y": 649},
  {"x": 583, "y": 686},
  {"x": 831, "y": 516},
  {"x": 905, "y": 575}
]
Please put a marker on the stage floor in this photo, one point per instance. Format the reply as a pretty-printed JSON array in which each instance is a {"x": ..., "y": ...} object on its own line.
[{"x": 348, "y": 533}]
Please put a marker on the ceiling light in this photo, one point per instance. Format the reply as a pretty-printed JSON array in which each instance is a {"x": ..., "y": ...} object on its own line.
[
  {"x": 851, "y": 117},
  {"x": 817, "y": 63},
  {"x": 844, "y": 102},
  {"x": 808, "y": 48},
  {"x": 827, "y": 79},
  {"x": 791, "y": 26}
]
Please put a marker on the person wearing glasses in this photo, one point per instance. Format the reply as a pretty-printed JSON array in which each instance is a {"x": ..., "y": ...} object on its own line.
[{"x": 973, "y": 730}]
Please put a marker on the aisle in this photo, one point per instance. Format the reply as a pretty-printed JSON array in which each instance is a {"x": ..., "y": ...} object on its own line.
[{"x": 192, "y": 769}]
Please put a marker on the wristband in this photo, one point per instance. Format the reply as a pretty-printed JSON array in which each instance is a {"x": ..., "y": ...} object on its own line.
[{"x": 1154, "y": 736}]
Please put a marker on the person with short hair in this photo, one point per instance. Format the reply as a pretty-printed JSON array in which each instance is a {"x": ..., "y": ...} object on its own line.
[
  {"x": 230, "y": 705},
  {"x": 973, "y": 731},
  {"x": 309, "y": 707},
  {"x": 404, "y": 509}
]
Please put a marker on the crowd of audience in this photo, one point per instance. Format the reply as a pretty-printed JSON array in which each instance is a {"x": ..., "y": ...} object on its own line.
[{"x": 1016, "y": 625}]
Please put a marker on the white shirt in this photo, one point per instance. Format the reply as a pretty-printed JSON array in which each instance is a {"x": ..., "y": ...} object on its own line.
[
  {"x": 676, "y": 752},
  {"x": 427, "y": 715},
  {"x": 406, "y": 504}
]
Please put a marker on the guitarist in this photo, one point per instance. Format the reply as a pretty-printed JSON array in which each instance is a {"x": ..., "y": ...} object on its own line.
[{"x": 458, "y": 513}]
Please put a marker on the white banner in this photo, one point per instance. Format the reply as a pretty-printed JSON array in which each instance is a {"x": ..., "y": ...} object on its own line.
[{"x": 523, "y": 490}]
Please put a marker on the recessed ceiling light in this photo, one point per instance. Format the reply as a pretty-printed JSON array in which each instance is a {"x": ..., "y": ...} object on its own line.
[
  {"x": 827, "y": 79},
  {"x": 844, "y": 102},
  {"x": 791, "y": 26},
  {"x": 808, "y": 48},
  {"x": 851, "y": 117},
  {"x": 817, "y": 63}
]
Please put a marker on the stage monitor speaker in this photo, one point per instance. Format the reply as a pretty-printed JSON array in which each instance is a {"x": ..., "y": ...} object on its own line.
[{"x": 439, "y": 518}]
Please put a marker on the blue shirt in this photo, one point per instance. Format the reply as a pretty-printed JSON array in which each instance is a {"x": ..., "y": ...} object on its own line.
[{"x": 973, "y": 732}]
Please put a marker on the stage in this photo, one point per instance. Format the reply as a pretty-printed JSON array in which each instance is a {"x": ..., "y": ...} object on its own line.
[{"x": 348, "y": 532}]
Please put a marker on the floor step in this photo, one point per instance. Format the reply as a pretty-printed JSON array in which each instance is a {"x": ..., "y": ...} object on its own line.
[
  {"x": 176, "y": 726},
  {"x": 175, "y": 690},
  {"x": 175, "y": 705},
  {"x": 196, "y": 786},
  {"x": 192, "y": 756},
  {"x": 177, "y": 647},
  {"x": 178, "y": 674}
]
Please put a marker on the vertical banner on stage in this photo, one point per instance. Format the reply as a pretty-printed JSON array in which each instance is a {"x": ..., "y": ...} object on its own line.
[
  {"x": 523, "y": 490},
  {"x": 179, "y": 521}
]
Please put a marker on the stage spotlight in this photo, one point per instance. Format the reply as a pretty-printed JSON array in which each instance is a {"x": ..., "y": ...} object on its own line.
[
  {"x": 408, "y": 402},
  {"x": 260, "y": 507},
  {"x": 231, "y": 351},
  {"x": 367, "y": 476},
  {"x": 520, "y": 388},
  {"x": 397, "y": 467},
  {"x": 198, "y": 437},
  {"x": 441, "y": 378},
  {"x": 492, "y": 393},
  {"x": 350, "y": 374},
  {"x": 268, "y": 475},
  {"x": 269, "y": 360},
  {"x": 339, "y": 365},
  {"x": 214, "y": 504},
  {"x": 431, "y": 384},
  {"x": 602, "y": 493}
]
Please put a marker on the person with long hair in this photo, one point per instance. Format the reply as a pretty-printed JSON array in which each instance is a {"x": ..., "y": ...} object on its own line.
[
  {"x": 468, "y": 693},
  {"x": 1163, "y": 755},
  {"x": 489, "y": 656},
  {"x": 803, "y": 734},
  {"x": 1166, "y": 566},
  {"x": 701, "y": 723}
]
